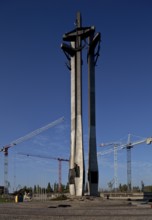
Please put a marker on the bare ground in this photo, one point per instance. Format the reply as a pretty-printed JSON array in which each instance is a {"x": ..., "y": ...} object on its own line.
[{"x": 79, "y": 208}]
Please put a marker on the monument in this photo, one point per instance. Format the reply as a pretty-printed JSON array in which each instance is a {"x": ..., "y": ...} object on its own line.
[{"x": 73, "y": 52}]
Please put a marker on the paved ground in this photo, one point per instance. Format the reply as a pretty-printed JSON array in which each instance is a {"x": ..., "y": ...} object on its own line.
[{"x": 90, "y": 209}]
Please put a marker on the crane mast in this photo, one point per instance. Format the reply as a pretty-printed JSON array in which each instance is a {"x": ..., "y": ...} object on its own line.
[
  {"x": 5, "y": 148},
  {"x": 128, "y": 147},
  {"x": 60, "y": 172},
  {"x": 115, "y": 149}
]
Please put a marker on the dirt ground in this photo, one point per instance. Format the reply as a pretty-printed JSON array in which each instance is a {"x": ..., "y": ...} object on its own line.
[{"x": 78, "y": 208}]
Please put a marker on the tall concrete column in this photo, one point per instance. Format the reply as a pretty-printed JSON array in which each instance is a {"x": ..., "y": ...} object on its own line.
[
  {"x": 73, "y": 125},
  {"x": 92, "y": 161},
  {"x": 79, "y": 153}
]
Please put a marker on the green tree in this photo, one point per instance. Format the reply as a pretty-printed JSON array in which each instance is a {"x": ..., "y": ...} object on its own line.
[
  {"x": 136, "y": 189},
  {"x": 38, "y": 189},
  {"x": 120, "y": 187},
  {"x": 35, "y": 191},
  {"x": 123, "y": 188},
  {"x": 67, "y": 187},
  {"x": 148, "y": 188},
  {"x": 49, "y": 188},
  {"x": 56, "y": 187}
]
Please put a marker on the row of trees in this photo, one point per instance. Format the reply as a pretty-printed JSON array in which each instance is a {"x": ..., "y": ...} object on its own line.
[
  {"x": 143, "y": 188},
  {"x": 124, "y": 188},
  {"x": 65, "y": 188},
  {"x": 37, "y": 189},
  {"x": 51, "y": 188}
]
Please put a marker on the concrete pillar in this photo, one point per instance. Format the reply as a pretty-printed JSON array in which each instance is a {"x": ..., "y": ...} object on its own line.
[
  {"x": 79, "y": 153},
  {"x": 73, "y": 126},
  {"x": 92, "y": 161}
]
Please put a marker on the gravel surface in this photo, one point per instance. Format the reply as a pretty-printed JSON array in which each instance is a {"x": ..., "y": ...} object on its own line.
[{"x": 88, "y": 208}]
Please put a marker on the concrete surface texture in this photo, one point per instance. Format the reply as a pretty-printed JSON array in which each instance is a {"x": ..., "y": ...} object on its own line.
[{"x": 79, "y": 208}]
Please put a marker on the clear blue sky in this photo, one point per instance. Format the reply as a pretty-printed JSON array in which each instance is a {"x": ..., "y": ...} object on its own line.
[{"x": 35, "y": 84}]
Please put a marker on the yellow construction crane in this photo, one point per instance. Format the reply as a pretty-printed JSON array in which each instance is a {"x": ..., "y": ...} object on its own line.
[{"x": 5, "y": 148}]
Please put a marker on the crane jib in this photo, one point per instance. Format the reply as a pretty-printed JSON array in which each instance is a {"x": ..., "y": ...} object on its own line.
[
  {"x": 5, "y": 148},
  {"x": 33, "y": 133}
]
